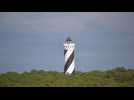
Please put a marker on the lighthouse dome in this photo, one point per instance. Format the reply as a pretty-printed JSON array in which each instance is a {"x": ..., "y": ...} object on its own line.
[{"x": 69, "y": 40}]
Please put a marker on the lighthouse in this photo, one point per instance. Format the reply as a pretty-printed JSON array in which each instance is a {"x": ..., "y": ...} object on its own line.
[{"x": 69, "y": 47}]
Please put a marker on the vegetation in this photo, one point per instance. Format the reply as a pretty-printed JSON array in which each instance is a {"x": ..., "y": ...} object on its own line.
[{"x": 118, "y": 77}]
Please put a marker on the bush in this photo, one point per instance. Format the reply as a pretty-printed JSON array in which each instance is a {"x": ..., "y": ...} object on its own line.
[{"x": 117, "y": 77}]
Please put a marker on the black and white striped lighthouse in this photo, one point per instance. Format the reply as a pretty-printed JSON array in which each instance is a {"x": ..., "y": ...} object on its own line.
[{"x": 69, "y": 47}]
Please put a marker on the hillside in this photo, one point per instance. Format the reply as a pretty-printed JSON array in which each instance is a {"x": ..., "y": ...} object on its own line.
[{"x": 118, "y": 77}]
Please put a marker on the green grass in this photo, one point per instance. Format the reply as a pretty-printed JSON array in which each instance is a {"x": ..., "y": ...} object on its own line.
[{"x": 118, "y": 77}]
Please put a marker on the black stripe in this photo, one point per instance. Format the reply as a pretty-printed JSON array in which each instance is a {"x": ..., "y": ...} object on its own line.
[
  {"x": 69, "y": 61},
  {"x": 65, "y": 52},
  {"x": 74, "y": 71}
]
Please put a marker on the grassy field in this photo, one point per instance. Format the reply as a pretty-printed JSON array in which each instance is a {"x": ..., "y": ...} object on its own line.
[{"x": 118, "y": 77}]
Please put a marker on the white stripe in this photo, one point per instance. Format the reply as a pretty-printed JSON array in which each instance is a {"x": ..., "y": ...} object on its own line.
[
  {"x": 71, "y": 68},
  {"x": 68, "y": 53}
]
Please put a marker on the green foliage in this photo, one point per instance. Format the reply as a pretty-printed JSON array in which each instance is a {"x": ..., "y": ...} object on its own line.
[{"x": 118, "y": 77}]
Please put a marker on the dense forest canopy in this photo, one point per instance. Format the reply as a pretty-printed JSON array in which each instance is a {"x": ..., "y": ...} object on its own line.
[{"x": 118, "y": 77}]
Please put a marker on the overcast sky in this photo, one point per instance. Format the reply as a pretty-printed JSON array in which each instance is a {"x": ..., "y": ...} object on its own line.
[{"x": 34, "y": 40}]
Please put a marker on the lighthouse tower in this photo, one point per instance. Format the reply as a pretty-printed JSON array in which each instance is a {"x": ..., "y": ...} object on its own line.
[{"x": 69, "y": 47}]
